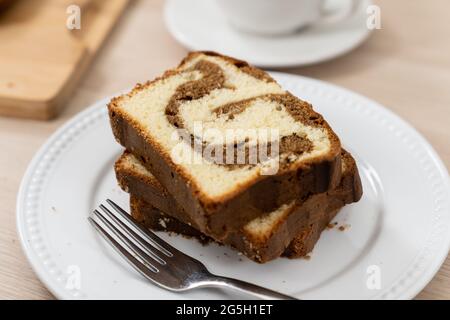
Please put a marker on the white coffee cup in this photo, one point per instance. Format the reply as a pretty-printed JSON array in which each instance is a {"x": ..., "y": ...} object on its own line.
[{"x": 275, "y": 17}]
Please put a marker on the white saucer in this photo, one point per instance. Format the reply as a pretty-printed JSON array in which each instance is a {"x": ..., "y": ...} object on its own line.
[
  {"x": 199, "y": 25},
  {"x": 399, "y": 231}
]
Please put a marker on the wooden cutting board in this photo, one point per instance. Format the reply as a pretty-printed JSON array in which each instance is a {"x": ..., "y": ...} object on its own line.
[{"x": 41, "y": 60}]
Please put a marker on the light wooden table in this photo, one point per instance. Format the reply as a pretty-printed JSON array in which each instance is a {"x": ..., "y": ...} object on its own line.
[{"x": 405, "y": 66}]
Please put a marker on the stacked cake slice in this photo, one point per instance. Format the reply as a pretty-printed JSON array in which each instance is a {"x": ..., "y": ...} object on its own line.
[{"x": 216, "y": 149}]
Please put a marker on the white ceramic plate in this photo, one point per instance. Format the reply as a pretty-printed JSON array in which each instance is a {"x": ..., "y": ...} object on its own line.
[
  {"x": 399, "y": 230},
  {"x": 199, "y": 25}
]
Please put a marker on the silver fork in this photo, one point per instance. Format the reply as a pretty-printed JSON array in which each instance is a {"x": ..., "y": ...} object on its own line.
[{"x": 161, "y": 263}]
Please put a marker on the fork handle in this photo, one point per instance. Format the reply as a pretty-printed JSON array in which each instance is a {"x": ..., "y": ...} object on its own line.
[{"x": 246, "y": 287}]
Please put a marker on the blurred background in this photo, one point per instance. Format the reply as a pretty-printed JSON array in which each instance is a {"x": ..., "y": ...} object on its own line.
[{"x": 57, "y": 57}]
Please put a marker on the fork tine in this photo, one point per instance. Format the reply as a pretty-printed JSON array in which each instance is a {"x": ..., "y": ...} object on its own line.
[
  {"x": 138, "y": 265},
  {"x": 152, "y": 250},
  {"x": 166, "y": 248},
  {"x": 129, "y": 244}
]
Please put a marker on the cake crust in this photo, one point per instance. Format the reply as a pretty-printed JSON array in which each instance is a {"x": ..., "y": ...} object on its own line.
[
  {"x": 156, "y": 220},
  {"x": 228, "y": 212},
  {"x": 294, "y": 233}
]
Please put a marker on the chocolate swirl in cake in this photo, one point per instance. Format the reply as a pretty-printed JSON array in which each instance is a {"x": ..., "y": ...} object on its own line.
[{"x": 214, "y": 78}]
